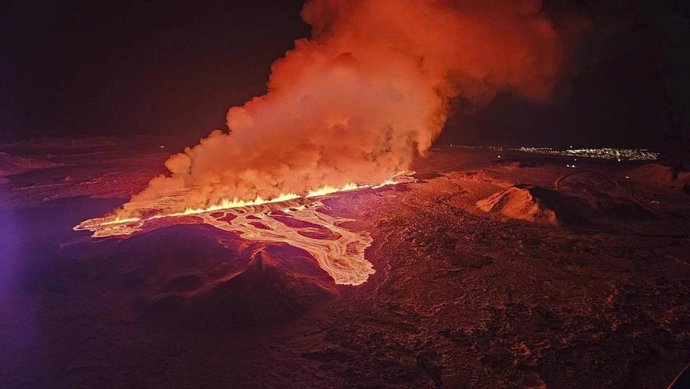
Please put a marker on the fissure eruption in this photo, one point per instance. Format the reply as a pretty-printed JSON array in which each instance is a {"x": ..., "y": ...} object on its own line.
[{"x": 351, "y": 106}]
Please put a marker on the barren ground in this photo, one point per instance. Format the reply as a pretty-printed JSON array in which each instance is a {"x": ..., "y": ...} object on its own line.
[{"x": 460, "y": 297}]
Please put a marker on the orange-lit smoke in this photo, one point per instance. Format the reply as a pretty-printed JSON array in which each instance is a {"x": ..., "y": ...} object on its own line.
[{"x": 358, "y": 99}]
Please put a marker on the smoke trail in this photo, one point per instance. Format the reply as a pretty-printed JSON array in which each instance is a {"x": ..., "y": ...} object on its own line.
[{"x": 366, "y": 92}]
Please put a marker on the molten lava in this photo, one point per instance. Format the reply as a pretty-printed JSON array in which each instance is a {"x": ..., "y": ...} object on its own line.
[
  {"x": 299, "y": 221},
  {"x": 356, "y": 101}
]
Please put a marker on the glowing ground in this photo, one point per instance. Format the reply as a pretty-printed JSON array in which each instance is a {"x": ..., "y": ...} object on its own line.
[
  {"x": 454, "y": 296},
  {"x": 302, "y": 222}
]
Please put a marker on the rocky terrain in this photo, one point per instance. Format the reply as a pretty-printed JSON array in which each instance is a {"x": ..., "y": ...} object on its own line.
[{"x": 510, "y": 272}]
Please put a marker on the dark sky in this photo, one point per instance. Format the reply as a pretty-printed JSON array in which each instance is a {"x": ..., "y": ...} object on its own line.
[{"x": 131, "y": 67}]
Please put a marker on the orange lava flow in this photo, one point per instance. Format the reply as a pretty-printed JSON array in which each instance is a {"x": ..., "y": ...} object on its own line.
[
  {"x": 299, "y": 221},
  {"x": 338, "y": 251}
]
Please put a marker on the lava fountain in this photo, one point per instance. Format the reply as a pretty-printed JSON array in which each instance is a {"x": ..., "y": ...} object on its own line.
[{"x": 348, "y": 107}]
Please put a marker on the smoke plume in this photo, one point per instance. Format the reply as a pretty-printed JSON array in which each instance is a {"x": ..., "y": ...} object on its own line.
[{"x": 369, "y": 90}]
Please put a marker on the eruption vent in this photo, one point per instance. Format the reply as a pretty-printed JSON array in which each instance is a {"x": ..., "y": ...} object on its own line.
[
  {"x": 358, "y": 99},
  {"x": 348, "y": 108}
]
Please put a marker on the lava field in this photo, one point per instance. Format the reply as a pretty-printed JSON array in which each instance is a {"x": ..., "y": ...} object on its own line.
[{"x": 481, "y": 272}]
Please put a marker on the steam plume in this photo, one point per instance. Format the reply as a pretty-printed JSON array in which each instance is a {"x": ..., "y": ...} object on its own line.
[{"x": 366, "y": 92}]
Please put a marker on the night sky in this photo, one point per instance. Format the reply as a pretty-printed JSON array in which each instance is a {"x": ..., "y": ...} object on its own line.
[{"x": 84, "y": 68}]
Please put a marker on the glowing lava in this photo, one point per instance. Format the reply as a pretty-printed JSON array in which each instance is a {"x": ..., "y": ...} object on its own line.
[
  {"x": 338, "y": 251},
  {"x": 356, "y": 101},
  {"x": 300, "y": 221}
]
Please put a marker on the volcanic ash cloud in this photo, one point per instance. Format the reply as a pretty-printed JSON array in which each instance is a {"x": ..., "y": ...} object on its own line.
[{"x": 366, "y": 92}]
